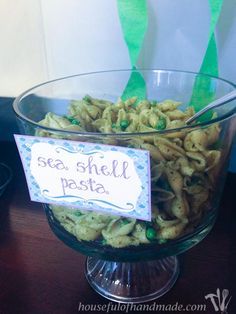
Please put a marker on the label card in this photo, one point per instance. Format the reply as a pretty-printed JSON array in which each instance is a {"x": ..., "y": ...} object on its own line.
[{"x": 110, "y": 179}]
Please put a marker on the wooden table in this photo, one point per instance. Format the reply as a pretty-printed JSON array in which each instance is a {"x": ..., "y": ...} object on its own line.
[{"x": 39, "y": 274}]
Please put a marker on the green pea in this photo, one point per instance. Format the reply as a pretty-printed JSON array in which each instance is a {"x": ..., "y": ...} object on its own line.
[
  {"x": 72, "y": 120},
  {"x": 153, "y": 103},
  {"x": 77, "y": 213},
  {"x": 69, "y": 118},
  {"x": 87, "y": 98},
  {"x": 75, "y": 122},
  {"x": 161, "y": 124},
  {"x": 124, "y": 124},
  {"x": 151, "y": 233},
  {"x": 124, "y": 221}
]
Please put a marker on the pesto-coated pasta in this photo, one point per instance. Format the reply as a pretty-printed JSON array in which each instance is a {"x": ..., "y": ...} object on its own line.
[{"x": 184, "y": 168}]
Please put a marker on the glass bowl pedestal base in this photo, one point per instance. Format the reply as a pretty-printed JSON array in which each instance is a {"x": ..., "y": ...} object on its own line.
[{"x": 132, "y": 282}]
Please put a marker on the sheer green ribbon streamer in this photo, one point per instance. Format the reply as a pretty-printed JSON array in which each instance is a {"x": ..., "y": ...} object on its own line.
[
  {"x": 203, "y": 92},
  {"x": 134, "y": 20}
]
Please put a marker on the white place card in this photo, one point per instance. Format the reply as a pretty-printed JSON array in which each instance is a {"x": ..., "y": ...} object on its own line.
[{"x": 89, "y": 176}]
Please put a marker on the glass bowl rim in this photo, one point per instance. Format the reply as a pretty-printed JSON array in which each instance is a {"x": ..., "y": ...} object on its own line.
[{"x": 122, "y": 134}]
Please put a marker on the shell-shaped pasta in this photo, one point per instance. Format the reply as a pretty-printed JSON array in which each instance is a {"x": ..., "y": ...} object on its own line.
[
  {"x": 196, "y": 141},
  {"x": 71, "y": 218},
  {"x": 175, "y": 180},
  {"x": 212, "y": 133},
  {"x": 118, "y": 227},
  {"x": 57, "y": 208},
  {"x": 168, "y": 105},
  {"x": 119, "y": 105},
  {"x": 79, "y": 109},
  {"x": 148, "y": 138},
  {"x": 132, "y": 127},
  {"x": 95, "y": 220},
  {"x": 178, "y": 142},
  {"x": 197, "y": 160},
  {"x": 185, "y": 167},
  {"x": 69, "y": 227},
  {"x": 172, "y": 232},
  {"x": 197, "y": 183},
  {"x": 103, "y": 126},
  {"x": 154, "y": 151},
  {"x": 168, "y": 149},
  {"x": 213, "y": 158},
  {"x": 176, "y": 114},
  {"x": 153, "y": 120},
  {"x": 173, "y": 164},
  {"x": 94, "y": 112},
  {"x": 77, "y": 105},
  {"x": 156, "y": 171},
  {"x": 109, "y": 114},
  {"x": 82, "y": 123},
  {"x": 190, "y": 111},
  {"x": 132, "y": 143},
  {"x": 161, "y": 195},
  {"x": 143, "y": 117},
  {"x": 173, "y": 125},
  {"x": 162, "y": 223},
  {"x": 122, "y": 241},
  {"x": 144, "y": 128},
  {"x": 139, "y": 233},
  {"x": 84, "y": 117},
  {"x": 59, "y": 213},
  {"x": 179, "y": 207},
  {"x": 198, "y": 199},
  {"x": 160, "y": 114},
  {"x": 73, "y": 127},
  {"x": 130, "y": 102},
  {"x": 144, "y": 104},
  {"x": 84, "y": 232},
  {"x": 194, "y": 189},
  {"x": 100, "y": 103},
  {"x": 52, "y": 120},
  {"x": 134, "y": 122},
  {"x": 122, "y": 115},
  {"x": 57, "y": 122}
]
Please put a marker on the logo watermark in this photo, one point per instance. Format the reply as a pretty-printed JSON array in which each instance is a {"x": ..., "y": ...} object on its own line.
[
  {"x": 154, "y": 307},
  {"x": 219, "y": 300}
]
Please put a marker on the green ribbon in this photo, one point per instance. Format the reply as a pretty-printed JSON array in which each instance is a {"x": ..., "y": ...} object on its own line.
[
  {"x": 210, "y": 61},
  {"x": 203, "y": 94},
  {"x": 134, "y": 21}
]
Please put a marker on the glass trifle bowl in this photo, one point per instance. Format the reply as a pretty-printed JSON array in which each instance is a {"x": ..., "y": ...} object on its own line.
[{"x": 131, "y": 259}]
